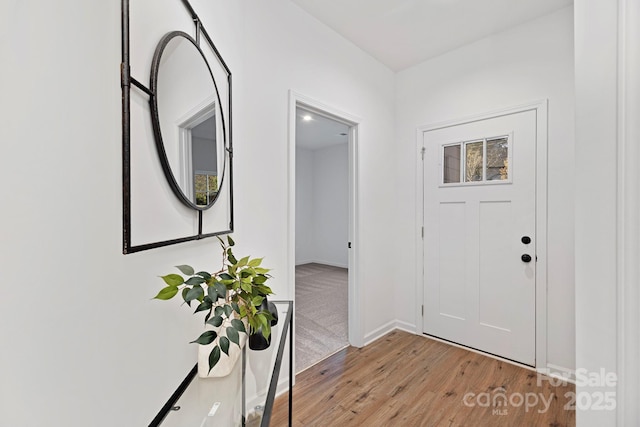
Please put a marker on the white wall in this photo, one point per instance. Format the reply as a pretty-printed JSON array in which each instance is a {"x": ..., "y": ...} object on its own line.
[
  {"x": 331, "y": 187},
  {"x": 607, "y": 204},
  {"x": 82, "y": 341},
  {"x": 322, "y": 209},
  {"x": 305, "y": 218},
  {"x": 319, "y": 64},
  {"x": 629, "y": 214},
  {"x": 524, "y": 64}
]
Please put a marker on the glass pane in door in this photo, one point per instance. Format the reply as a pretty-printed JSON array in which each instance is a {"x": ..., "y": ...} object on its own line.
[
  {"x": 497, "y": 159},
  {"x": 473, "y": 161},
  {"x": 451, "y": 164}
]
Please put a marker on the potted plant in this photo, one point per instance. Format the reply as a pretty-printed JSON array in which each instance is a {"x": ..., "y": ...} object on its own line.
[{"x": 232, "y": 299}]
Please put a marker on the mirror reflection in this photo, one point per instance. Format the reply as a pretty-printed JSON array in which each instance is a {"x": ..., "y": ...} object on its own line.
[
  {"x": 188, "y": 120},
  {"x": 204, "y": 161}
]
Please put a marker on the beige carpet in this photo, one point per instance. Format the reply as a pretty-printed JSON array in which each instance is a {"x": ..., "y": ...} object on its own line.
[{"x": 321, "y": 313}]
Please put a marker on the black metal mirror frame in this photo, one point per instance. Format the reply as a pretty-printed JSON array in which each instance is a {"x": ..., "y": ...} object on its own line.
[
  {"x": 153, "y": 101},
  {"x": 126, "y": 82}
]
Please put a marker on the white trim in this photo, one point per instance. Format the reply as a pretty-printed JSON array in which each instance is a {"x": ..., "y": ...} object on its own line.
[
  {"x": 379, "y": 332},
  {"x": 186, "y": 171},
  {"x": 356, "y": 321},
  {"x": 394, "y": 325},
  {"x": 556, "y": 371},
  {"x": 463, "y": 167},
  {"x": 541, "y": 108},
  {"x": 621, "y": 143},
  {"x": 192, "y": 118},
  {"x": 419, "y": 234},
  {"x": 628, "y": 217},
  {"x": 542, "y": 139},
  {"x": 483, "y": 116},
  {"x": 318, "y": 261},
  {"x": 406, "y": 326}
]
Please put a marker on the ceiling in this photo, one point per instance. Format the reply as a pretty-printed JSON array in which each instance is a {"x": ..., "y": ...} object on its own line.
[
  {"x": 318, "y": 132},
  {"x": 403, "y": 33}
]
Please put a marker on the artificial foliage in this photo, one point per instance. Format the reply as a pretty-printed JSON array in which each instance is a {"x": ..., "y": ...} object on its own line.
[{"x": 232, "y": 293}]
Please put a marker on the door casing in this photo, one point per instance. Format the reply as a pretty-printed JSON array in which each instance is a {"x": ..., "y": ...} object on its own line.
[
  {"x": 541, "y": 108},
  {"x": 356, "y": 321}
]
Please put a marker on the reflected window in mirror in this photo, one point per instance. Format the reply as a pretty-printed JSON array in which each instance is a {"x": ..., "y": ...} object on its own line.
[
  {"x": 206, "y": 187},
  {"x": 204, "y": 161},
  {"x": 199, "y": 168}
]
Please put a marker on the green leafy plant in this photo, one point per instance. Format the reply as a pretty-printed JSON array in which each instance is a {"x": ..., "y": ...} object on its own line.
[{"x": 235, "y": 293}]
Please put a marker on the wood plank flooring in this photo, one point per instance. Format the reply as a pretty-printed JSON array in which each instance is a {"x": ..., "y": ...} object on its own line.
[{"x": 409, "y": 380}]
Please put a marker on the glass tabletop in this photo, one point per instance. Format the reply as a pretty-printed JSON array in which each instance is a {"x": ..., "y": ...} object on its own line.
[{"x": 242, "y": 398}]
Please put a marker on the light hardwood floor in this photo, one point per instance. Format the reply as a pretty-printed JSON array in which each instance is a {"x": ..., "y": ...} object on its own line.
[{"x": 409, "y": 380}]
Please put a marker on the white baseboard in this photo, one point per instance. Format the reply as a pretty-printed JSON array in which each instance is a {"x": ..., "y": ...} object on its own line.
[
  {"x": 559, "y": 372},
  {"x": 386, "y": 328},
  {"x": 379, "y": 332},
  {"x": 318, "y": 261},
  {"x": 407, "y": 327}
]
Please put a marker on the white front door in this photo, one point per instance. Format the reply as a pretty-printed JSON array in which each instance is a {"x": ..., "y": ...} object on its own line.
[{"x": 480, "y": 235}]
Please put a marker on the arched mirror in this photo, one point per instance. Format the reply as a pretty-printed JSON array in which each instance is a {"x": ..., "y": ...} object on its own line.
[{"x": 188, "y": 122}]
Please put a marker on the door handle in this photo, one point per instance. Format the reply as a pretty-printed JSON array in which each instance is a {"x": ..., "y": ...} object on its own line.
[
  {"x": 526, "y": 258},
  {"x": 526, "y": 240}
]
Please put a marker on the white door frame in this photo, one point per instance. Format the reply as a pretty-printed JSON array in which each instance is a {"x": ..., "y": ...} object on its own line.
[
  {"x": 356, "y": 328},
  {"x": 540, "y": 107}
]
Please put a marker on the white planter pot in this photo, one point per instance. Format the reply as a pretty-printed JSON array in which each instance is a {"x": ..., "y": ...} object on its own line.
[{"x": 226, "y": 363}]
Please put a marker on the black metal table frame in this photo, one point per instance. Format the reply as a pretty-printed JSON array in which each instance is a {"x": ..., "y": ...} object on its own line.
[{"x": 273, "y": 384}]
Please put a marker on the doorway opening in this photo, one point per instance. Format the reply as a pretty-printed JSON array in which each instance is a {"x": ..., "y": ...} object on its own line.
[{"x": 323, "y": 162}]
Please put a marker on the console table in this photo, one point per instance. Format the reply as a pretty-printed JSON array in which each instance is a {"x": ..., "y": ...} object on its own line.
[{"x": 221, "y": 402}]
